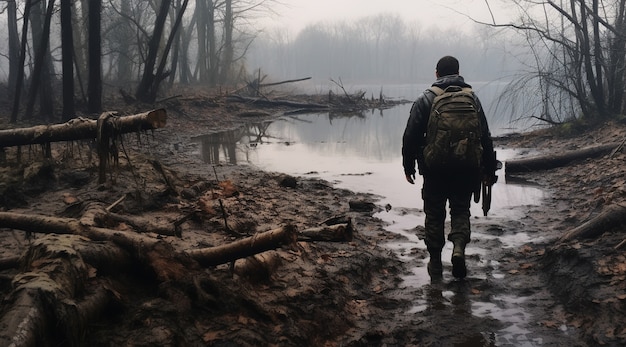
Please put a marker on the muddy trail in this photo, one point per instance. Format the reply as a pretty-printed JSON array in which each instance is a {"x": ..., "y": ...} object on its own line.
[{"x": 525, "y": 287}]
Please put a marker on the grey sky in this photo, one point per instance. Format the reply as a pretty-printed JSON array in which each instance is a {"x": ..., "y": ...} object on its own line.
[{"x": 296, "y": 14}]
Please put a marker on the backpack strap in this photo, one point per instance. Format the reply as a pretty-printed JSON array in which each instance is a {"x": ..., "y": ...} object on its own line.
[{"x": 437, "y": 90}]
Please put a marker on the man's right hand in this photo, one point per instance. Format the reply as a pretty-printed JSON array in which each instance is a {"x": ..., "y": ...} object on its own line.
[
  {"x": 490, "y": 180},
  {"x": 410, "y": 178}
]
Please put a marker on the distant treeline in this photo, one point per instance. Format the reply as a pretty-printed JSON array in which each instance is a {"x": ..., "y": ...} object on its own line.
[{"x": 381, "y": 48}]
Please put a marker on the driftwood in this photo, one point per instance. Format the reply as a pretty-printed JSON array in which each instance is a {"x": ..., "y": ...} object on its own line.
[
  {"x": 338, "y": 233},
  {"x": 283, "y": 82},
  {"x": 551, "y": 161},
  {"x": 245, "y": 247},
  {"x": 258, "y": 267},
  {"x": 613, "y": 216},
  {"x": 267, "y": 102},
  {"x": 80, "y": 129}
]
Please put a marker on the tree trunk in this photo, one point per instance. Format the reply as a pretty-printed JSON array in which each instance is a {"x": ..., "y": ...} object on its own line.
[
  {"x": 40, "y": 79},
  {"x": 201, "y": 15},
  {"x": 551, "y": 161},
  {"x": 81, "y": 58},
  {"x": 94, "y": 88},
  {"x": 144, "y": 90},
  {"x": 612, "y": 217},
  {"x": 213, "y": 59},
  {"x": 139, "y": 243},
  {"x": 258, "y": 267},
  {"x": 14, "y": 49},
  {"x": 124, "y": 70},
  {"x": 20, "y": 72},
  {"x": 79, "y": 129},
  {"x": 176, "y": 48},
  {"x": 140, "y": 224},
  {"x": 227, "y": 59},
  {"x": 67, "y": 50},
  {"x": 337, "y": 233},
  {"x": 51, "y": 291},
  {"x": 245, "y": 247},
  {"x": 160, "y": 75}
]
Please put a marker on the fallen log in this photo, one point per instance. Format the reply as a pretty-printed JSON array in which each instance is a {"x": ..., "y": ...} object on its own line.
[
  {"x": 80, "y": 129},
  {"x": 56, "y": 225},
  {"x": 259, "y": 267},
  {"x": 267, "y": 102},
  {"x": 139, "y": 224},
  {"x": 336, "y": 233},
  {"x": 612, "y": 217},
  {"x": 23, "y": 320},
  {"x": 554, "y": 160},
  {"x": 246, "y": 247},
  {"x": 139, "y": 243},
  {"x": 46, "y": 295},
  {"x": 283, "y": 82}
]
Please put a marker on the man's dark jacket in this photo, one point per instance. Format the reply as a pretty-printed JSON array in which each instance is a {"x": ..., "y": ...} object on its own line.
[{"x": 414, "y": 139}]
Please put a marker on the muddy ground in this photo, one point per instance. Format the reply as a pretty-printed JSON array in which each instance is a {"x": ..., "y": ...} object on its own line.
[{"x": 315, "y": 293}]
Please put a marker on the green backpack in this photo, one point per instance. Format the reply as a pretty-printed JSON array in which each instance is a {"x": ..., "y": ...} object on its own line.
[{"x": 453, "y": 135}]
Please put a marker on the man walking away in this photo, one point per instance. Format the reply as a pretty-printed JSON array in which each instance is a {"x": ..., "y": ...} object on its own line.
[{"x": 448, "y": 136}]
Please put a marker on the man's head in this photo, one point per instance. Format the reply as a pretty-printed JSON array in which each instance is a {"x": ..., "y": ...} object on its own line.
[{"x": 447, "y": 65}]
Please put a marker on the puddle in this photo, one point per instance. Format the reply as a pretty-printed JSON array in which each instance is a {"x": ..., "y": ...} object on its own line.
[{"x": 363, "y": 154}]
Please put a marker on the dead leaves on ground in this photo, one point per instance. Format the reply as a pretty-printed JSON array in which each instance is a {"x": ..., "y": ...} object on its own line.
[
  {"x": 526, "y": 251},
  {"x": 612, "y": 266}
]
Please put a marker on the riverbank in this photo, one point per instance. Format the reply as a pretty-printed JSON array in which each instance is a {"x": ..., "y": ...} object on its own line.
[{"x": 348, "y": 293}]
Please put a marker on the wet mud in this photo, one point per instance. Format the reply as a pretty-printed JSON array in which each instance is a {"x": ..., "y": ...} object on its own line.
[{"x": 523, "y": 290}]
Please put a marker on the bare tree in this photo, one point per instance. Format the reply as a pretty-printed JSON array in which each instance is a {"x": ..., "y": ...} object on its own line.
[
  {"x": 41, "y": 83},
  {"x": 124, "y": 35},
  {"x": 151, "y": 80},
  {"x": 145, "y": 88},
  {"x": 67, "y": 48},
  {"x": 578, "y": 49},
  {"x": 20, "y": 72},
  {"x": 229, "y": 53},
  {"x": 14, "y": 49},
  {"x": 94, "y": 89}
]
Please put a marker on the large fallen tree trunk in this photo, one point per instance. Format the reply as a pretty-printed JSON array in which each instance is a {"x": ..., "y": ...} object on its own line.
[
  {"x": 50, "y": 293},
  {"x": 612, "y": 217},
  {"x": 249, "y": 246},
  {"x": 80, "y": 129},
  {"x": 138, "y": 243},
  {"x": 554, "y": 160}
]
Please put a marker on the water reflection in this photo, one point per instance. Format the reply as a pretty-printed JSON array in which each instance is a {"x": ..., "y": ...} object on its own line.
[{"x": 224, "y": 146}]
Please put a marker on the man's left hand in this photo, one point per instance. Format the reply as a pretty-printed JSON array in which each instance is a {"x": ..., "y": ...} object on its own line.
[{"x": 410, "y": 178}]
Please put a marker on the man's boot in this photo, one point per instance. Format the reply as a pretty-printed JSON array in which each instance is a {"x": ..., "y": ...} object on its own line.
[
  {"x": 435, "y": 268},
  {"x": 458, "y": 260}
]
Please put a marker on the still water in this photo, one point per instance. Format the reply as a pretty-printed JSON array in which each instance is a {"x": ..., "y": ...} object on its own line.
[{"x": 363, "y": 153}]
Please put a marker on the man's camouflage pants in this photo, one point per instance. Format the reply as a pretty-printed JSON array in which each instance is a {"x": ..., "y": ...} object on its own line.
[{"x": 437, "y": 191}]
